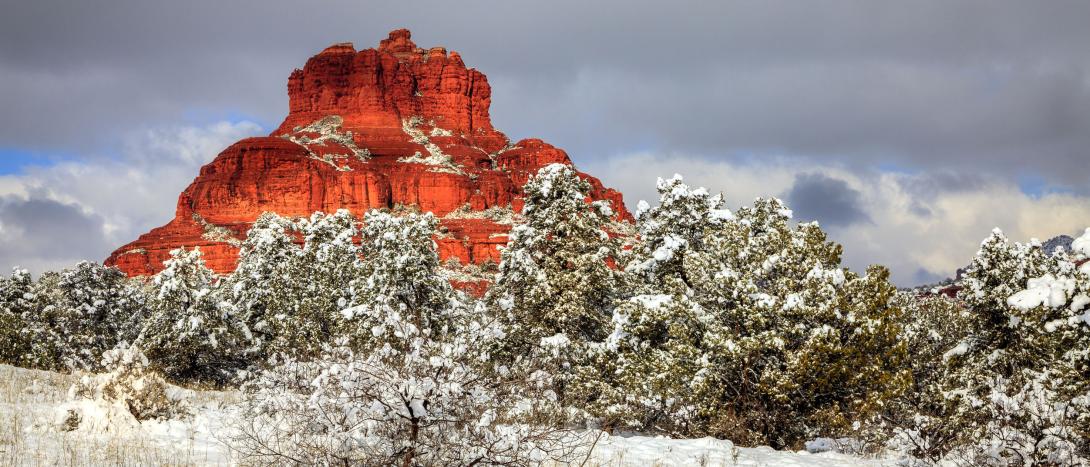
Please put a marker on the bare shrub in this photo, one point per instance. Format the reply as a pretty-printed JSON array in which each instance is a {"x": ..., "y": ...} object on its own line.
[{"x": 422, "y": 407}]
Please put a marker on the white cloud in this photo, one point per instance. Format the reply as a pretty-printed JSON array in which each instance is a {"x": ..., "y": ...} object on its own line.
[
  {"x": 119, "y": 197},
  {"x": 920, "y": 227}
]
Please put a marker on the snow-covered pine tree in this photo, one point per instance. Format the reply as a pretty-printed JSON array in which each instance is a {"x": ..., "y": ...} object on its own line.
[
  {"x": 398, "y": 293},
  {"x": 16, "y": 302},
  {"x": 189, "y": 336},
  {"x": 679, "y": 223},
  {"x": 658, "y": 338},
  {"x": 402, "y": 381},
  {"x": 40, "y": 310},
  {"x": 920, "y": 423},
  {"x": 998, "y": 271},
  {"x": 72, "y": 317},
  {"x": 1018, "y": 381},
  {"x": 555, "y": 287},
  {"x": 264, "y": 283},
  {"x": 288, "y": 296},
  {"x": 745, "y": 327},
  {"x": 99, "y": 304},
  {"x": 322, "y": 275}
]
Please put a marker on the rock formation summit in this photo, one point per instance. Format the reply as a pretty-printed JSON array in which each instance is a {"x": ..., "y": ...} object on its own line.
[{"x": 396, "y": 127}]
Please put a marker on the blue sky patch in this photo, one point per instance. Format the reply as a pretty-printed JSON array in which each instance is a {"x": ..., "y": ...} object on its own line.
[
  {"x": 1037, "y": 186},
  {"x": 14, "y": 160}
]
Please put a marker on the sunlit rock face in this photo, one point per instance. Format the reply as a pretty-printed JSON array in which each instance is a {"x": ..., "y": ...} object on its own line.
[{"x": 396, "y": 127}]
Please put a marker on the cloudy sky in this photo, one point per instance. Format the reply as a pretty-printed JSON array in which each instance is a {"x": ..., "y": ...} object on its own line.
[{"x": 908, "y": 131}]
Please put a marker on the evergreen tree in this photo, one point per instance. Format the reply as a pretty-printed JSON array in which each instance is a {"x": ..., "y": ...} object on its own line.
[
  {"x": 70, "y": 318},
  {"x": 921, "y": 422},
  {"x": 322, "y": 274},
  {"x": 189, "y": 336},
  {"x": 288, "y": 296},
  {"x": 1018, "y": 380},
  {"x": 398, "y": 293},
  {"x": 263, "y": 284},
  {"x": 998, "y": 271},
  {"x": 555, "y": 287},
  {"x": 745, "y": 327},
  {"x": 403, "y": 385},
  {"x": 98, "y": 304},
  {"x": 16, "y": 302},
  {"x": 656, "y": 347},
  {"x": 42, "y": 309}
]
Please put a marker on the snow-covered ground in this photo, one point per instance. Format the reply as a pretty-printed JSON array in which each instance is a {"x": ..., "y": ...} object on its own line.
[
  {"x": 33, "y": 406},
  {"x": 644, "y": 451}
]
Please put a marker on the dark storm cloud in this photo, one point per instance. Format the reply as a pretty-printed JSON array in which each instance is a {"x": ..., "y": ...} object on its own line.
[
  {"x": 42, "y": 234},
  {"x": 924, "y": 276},
  {"x": 923, "y": 188},
  {"x": 962, "y": 95},
  {"x": 1001, "y": 87},
  {"x": 828, "y": 200}
]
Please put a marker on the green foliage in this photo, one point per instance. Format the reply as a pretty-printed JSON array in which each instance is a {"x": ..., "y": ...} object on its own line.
[
  {"x": 554, "y": 276},
  {"x": 70, "y": 318},
  {"x": 745, "y": 327},
  {"x": 998, "y": 374},
  {"x": 17, "y": 299},
  {"x": 921, "y": 421},
  {"x": 316, "y": 284},
  {"x": 288, "y": 297},
  {"x": 555, "y": 287},
  {"x": 1020, "y": 376},
  {"x": 734, "y": 325},
  {"x": 188, "y": 336},
  {"x": 998, "y": 271},
  {"x": 263, "y": 285},
  {"x": 398, "y": 293}
]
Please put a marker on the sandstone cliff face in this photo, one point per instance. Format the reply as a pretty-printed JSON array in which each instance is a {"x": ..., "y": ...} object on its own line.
[{"x": 397, "y": 127}]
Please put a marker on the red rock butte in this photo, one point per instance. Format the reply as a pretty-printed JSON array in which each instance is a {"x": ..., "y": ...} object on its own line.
[{"x": 397, "y": 127}]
